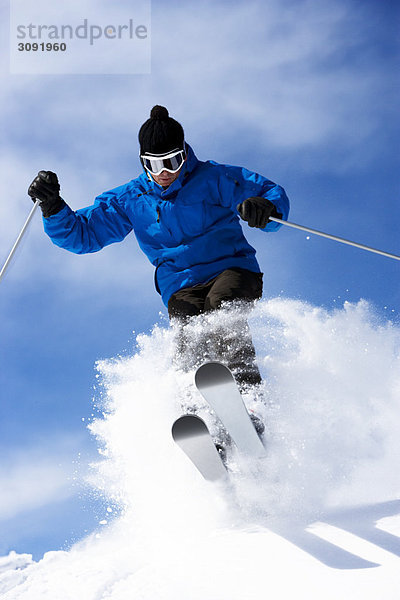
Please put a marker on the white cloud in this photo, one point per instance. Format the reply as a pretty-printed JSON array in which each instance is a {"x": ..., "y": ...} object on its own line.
[
  {"x": 280, "y": 69},
  {"x": 36, "y": 477}
]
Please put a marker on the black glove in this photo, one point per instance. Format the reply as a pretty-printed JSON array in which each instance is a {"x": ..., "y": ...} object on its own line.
[
  {"x": 257, "y": 211},
  {"x": 45, "y": 187}
]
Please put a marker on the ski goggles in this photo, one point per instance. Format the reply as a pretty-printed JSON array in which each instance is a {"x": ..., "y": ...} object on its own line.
[{"x": 171, "y": 162}]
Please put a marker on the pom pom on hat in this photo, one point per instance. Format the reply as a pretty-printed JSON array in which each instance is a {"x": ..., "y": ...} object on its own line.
[{"x": 159, "y": 112}]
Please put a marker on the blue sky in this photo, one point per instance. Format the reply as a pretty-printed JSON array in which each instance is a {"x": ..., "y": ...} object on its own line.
[{"x": 304, "y": 92}]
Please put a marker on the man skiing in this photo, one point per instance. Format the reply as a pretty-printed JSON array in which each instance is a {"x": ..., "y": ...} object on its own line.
[{"x": 185, "y": 215}]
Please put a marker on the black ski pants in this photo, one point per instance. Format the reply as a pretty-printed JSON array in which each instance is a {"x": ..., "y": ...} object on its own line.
[{"x": 234, "y": 347}]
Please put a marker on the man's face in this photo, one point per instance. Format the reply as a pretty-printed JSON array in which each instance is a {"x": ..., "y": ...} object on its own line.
[
  {"x": 161, "y": 167},
  {"x": 165, "y": 178}
]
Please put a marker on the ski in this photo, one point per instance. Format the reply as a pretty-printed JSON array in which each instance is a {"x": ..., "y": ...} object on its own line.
[
  {"x": 218, "y": 387},
  {"x": 193, "y": 437}
]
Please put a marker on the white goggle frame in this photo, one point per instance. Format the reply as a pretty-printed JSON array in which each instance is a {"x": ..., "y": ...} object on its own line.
[{"x": 156, "y": 163}]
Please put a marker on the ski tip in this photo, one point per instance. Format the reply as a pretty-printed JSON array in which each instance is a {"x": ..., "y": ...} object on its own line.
[
  {"x": 188, "y": 426},
  {"x": 212, "y": 373}
]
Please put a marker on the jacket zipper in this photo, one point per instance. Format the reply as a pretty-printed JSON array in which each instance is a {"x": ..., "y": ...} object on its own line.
[{"x": 164, "y": 225}]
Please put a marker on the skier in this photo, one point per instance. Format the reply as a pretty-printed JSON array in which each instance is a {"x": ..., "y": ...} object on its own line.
[{"x": 185, "y": 215}]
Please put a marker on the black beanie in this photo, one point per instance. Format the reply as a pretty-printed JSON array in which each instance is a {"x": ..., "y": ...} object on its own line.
[{"x": 160, "y": 133}]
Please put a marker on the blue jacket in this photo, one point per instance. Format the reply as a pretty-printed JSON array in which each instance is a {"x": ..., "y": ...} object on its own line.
[{"x": 190, "y": 232}]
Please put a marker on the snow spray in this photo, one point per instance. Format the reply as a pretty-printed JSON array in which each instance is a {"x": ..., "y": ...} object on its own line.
[{"x": 330, "y": 401}]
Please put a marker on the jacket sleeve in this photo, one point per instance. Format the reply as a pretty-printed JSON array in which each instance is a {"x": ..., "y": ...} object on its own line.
[
  {"x": 239, "y": 183},
  {"x": 90, "y": 229}
]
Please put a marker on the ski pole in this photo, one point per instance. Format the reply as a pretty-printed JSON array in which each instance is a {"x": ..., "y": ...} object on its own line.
[
  {"x": 19, "y": 238},
  {"x": 335, "y": 238}
]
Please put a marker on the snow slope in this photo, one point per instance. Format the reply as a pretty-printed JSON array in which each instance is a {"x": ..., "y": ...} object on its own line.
[{"x": 319, "y": 519}]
